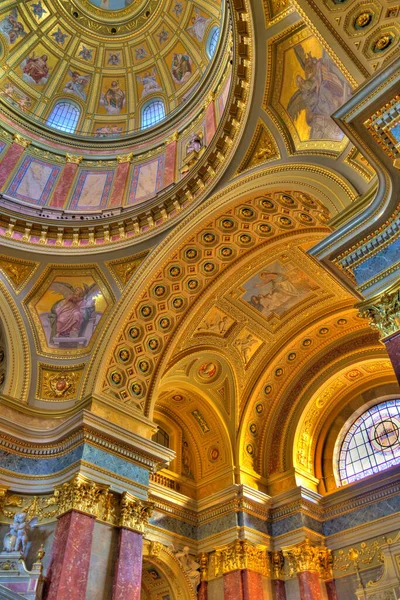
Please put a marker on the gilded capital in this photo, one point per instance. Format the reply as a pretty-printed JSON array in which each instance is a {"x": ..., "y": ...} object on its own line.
[
  {"x": 135, "y": 513},
  {"x": 202, "y": 559},
  {"x": 80, "y": 494},
  {"x": 303, "y": 557},
  {"x": 277, "y": 563},
  {"x": 125, "y": 158},
  {"x": 241, "y": 554},
  {"x": 18, "y": 139},
  {"x": 383, "y": 312},
  {"x": 72, "y": 158},
  {"x": 172, "y": 138}
]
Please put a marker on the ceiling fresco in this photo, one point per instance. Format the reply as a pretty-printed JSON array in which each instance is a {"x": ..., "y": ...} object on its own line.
[{"x": 109, "y": 79}]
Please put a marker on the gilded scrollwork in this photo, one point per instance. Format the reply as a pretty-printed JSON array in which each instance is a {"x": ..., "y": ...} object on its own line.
[
  {"x": 240, "y": 554},
  {"x": 135, "y": 513},
  {"x": 304, "y": 557}
]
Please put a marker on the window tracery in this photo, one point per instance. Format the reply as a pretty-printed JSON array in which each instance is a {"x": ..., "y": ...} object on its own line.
[{"x": 64, "y": 116}]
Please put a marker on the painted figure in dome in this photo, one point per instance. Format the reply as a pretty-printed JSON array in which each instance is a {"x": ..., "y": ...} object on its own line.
[
  {"x": 76, "y": 85},
  {"x": 35, "y": 69},
  {"x": 68, "y": 317},
  {"x": 181, "y": 68},
  {"x": 114, "y": 98},
  {"x": 199, "y": 24},
  {"x": 321, "y": 91},
  {"x": 149, "y": 82},
  {"x": 11, "y": 27}
]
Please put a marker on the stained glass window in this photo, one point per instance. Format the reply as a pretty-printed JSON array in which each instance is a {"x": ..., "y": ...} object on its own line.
[
  {"x": 153, "y": 112},
  {"x": 161, "y": 437},
  {"x": 372, "y": 443},
  {"x": 212, "y": 42},
  {"x": 64, "y": 116}
]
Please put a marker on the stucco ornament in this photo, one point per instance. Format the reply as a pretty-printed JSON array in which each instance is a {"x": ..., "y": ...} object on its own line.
[
  {"x": 16, "y": 539},
  {"x": 383, "y": 313},
  {"x": 190, "y": 566}
]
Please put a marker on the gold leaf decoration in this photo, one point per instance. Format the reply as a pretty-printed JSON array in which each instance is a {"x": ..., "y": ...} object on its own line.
[
  {"x": 262, "y": 149},
  {"x": 123, "y": 269},
  {"x": 17, "y": 271}
]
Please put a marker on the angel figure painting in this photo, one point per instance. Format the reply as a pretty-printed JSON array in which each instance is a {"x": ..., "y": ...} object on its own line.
[
  {"x": 76, "y": 84},
  {"x": 314, "y": 88},
  {"x": 70, "y": 311},
  {"x": 278, "y": 288}
]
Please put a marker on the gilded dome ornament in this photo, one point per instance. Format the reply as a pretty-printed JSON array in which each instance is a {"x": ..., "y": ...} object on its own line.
[
  {"x": 383, "y": 43},
  {"x": 363, "y": 19}
]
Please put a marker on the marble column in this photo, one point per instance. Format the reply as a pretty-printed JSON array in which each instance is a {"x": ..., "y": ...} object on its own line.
[
  {"x": 170, "y": 162},
  {"x": 65, "y": 182},
  {"x": 252, "y": 585},
  {"x": 210, "y": 120},
  {"x": 233, "y": 586},
  {"x": 11, "y": 158},
  {"x": 278, "y": 586},
  {"x": 392, "y": 344},
  {"x": 68, "y": 570},
  {"x": 128, "y": 572},
  {"x": 331, "y": 590},
  {"x": 310, "y": 586},
  {"x": 120, "y": 180},
  {"x": 202, "y": 592}
]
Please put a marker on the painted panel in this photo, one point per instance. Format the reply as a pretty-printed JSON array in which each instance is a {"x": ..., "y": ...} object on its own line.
[
  {"x": 92, "y": 190},
  {"x": 34, "y": 181},
  {"x": 147, "y": 180},
  {"x": 278, "y": 288}
]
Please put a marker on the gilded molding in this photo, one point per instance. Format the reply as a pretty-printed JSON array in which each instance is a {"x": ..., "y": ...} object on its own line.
[
  {"x": 125, "y": 158},
  {"x": 72, "y": 158},
  {"x": 307, "y": 557},
  {"x": 17, "y": 271},
  {"x": 58, "y": 383},
  {"x": 135, "y": 513},
  {"x": 80, "y": 494},
  {"x": 21, "y": 141}
]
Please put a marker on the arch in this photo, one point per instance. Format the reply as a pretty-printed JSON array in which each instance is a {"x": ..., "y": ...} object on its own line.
[
  {"x": 156, "y": 555},
  {"x": 64, "y": 115},
  {"x": 212, "y": 41},
  {"x": 152, "y": 112}
]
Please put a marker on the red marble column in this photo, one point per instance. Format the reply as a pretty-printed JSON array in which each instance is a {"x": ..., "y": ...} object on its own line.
[
  {"x": 64, "y": 185},
  {"x": 70, "y": 557},
  {"x": 170, "y": 164},
  {"x": 393, "y": 349},
  {"x": 233, "y": 586},
  {"x": 310, "y": 587},
  {"x": 252, "y": 585},
  {"x": 210, "y": 122},
  {"x": 202, "y": 592},
  {"x": 331, "y": 590},
  {"x": 278, "y": 586},
  {"x": 120, "y": 180},
  {"x": 9, "y": 161},
  {"x": 128, "y": 570}
]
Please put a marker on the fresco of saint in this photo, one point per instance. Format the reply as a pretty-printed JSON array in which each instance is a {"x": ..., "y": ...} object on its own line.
[
  {"x": 35, "y": 69},
  {"x": 114, "y": 98},
  {"x": 73, "y": 318},
  {"x": 11, "y": 27},
  {"x": 181, "y": 68},
  {"x": 77, "y": 84},
  {"x": 277, "y": 289},
  {"x": 321, "y": 91},
  {"x": 149, "y": 82},
  {"x": 198, "y": 26}
]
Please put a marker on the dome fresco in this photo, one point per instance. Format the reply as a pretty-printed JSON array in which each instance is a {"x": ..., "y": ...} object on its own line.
[{"x": 107, "y": 57}]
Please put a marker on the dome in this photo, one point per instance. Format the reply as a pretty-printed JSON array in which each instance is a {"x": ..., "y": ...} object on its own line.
[{"x": 124, "y": 109}]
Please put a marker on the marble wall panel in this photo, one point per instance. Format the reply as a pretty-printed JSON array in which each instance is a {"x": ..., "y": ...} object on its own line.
[
  {"x": 147, "y": 180},
  {"x": 174, "y": 525},
  {"x": 367, "y": 514},
  {"x": 217, "y": 525},
  {"x": 92, "y": 190},
  {"x": 381, "y": 261},
  {"x": 34, "y": 181}
]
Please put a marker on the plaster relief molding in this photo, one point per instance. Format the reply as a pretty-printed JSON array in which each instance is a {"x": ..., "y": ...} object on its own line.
[
  {"x": 307, "y": 557},
  {"x": 80, "y": 494},
  {"x": 72, "y": 158},
  {"x": 21, "y": 141},
  {"x": 17, "y": 271}
]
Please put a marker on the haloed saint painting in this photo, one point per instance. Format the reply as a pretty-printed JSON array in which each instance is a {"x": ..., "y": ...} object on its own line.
[{"x": 69, "y": 311}]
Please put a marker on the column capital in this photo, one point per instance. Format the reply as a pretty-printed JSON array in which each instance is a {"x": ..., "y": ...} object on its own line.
[
  {"x": 72, "y": 158},
  {"x": 303, "y": 557},
  {"x": 125, "y": 158},
  {"x": 135, "y": 513},
  {"x": 21, "y": 141},
  {"x": 277, "y": 563},
  {"x": 239, "y": 555},
  {"x": 383, "y": 312},
  {"x": 80, "y": 494}
]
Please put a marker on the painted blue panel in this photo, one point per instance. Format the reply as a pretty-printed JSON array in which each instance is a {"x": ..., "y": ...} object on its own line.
[
  {"x": 217, "y": 525},
  {"x": 115, "y": 464},
  {"x": 168, "y": 523},
  {"x": 380, "y": 262},
  {"x": 255, "y": 523}
]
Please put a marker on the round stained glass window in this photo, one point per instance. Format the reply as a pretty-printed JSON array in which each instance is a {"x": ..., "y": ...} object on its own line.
[{"x": 372, "y": 443}]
